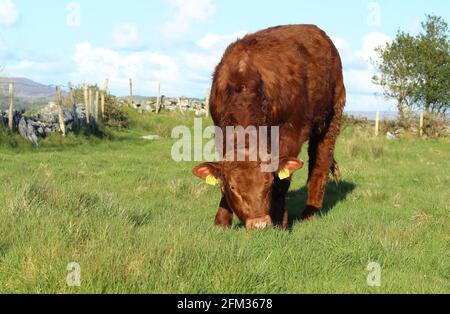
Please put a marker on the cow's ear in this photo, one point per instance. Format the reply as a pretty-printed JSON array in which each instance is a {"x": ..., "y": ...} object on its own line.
[
  {"x": 288, "y": 166},
  {"x": 209, "y": 171}
]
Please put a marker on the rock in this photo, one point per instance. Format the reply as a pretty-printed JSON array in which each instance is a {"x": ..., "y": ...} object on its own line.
[
  {"x": 399, "y": 131},
  {"x": 390, "y": 136},
  {"x": 148, "y": 108},
  {"x": 68, "y": 116},
  {"x": 31, "y": 135},
  {"x": 23, "y": 128}
]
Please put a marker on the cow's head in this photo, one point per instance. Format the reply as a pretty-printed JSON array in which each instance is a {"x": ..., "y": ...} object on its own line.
[{"x": 247, "y": 189}]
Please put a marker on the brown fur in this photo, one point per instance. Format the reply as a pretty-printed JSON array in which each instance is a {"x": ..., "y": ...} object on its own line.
[{"x": 286, "y": 76}]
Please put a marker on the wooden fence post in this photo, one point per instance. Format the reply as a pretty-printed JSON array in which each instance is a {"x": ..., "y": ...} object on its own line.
[
  {"x": 96, "y": 106},
  {"x": 208, "y": 95},
  {"x": 62, "y": 125},
  {"x": 90, "y": 106},
  {"x": 74, "y": 105},
  {"x": 102, "y": 101},
  {"x": 71, "y": 95},
  {"x": 377, "y": 123},
  {"x": 421, "y": 124},
  {"x": 131, "y": 92},
  {"x": 106, "y": 85},
  {"x": 158, "y": 98},
  {"x": 86, "y": 103},
  {"x": 11, "y": 107},
  {"x": 102, "y": 96},
  {"x": 179, "y": 105}
]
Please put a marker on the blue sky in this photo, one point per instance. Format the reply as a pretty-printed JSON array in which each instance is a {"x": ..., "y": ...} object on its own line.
[{"x": 178, "y": 42}]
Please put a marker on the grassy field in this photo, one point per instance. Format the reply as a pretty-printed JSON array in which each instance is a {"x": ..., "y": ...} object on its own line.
[{"x": 137, "y": 222}]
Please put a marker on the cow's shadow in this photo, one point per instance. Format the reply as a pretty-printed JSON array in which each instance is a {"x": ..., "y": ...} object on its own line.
[
  {"x": 335, "y": 193},
  {"x": 296, "y": 200}
]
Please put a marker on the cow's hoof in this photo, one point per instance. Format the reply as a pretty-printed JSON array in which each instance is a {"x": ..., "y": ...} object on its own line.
[{"x": 310, "y": 213}]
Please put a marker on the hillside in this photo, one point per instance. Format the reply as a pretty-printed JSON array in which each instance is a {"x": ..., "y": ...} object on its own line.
[{"x": 27, "y": 93}]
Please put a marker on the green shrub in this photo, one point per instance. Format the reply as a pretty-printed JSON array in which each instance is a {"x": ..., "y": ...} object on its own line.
[{"x": 115, "y": 116}]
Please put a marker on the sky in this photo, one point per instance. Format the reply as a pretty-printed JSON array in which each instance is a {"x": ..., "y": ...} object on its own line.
[{"x": 179, "y": 42}]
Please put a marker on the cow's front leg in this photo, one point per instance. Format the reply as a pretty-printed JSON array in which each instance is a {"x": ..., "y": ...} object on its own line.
[
  {"x": 224, "y": 216},
  {"x": 279, "y": 213}
]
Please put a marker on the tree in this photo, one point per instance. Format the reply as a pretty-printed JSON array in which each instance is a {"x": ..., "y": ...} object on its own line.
[
  {"x": 432, "y": 67},
  {"x": 396, "y": 68},
  {"x": 415, "y": 70}
]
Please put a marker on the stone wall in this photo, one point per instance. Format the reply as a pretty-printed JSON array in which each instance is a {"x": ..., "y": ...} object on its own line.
[
  {"x": 183, "y": 104},
  {"x": 34, "y": 128}
]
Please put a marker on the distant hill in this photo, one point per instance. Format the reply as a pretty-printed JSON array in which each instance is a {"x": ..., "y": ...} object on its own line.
[{"x": 27, "y": 93}]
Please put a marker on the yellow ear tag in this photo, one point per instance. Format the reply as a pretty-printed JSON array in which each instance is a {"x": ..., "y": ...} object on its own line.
[
  {"x": 211, "y": 180},
  {"x": 284, "y": 174}
]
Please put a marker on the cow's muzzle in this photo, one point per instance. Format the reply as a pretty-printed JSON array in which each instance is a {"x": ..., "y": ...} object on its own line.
[{"x": 259, "y": 223}]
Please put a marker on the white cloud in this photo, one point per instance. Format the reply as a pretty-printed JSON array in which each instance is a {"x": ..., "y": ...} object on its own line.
[
  {"x": 359, "y": 70},
  {"x": 183, "y": 14},
  {"x": 22, "y": 65},
  {"x": 9, "y": 15},
  {"x": 201, "y": 64},
  {"x": 40, "y": 70},
  {"x": 146, "y": 68},
  {"x": 216, "y": 41},
  {"x": 369, "y": 43},
  {"x": 360, "y": 81},
  {"x": 126, "y": 36}
]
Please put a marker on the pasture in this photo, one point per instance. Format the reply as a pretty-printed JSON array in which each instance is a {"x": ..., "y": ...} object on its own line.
[{"x": 137, "y": 222}]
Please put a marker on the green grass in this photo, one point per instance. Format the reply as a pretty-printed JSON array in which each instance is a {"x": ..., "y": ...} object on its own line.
[{"x": 137, "y": 222}]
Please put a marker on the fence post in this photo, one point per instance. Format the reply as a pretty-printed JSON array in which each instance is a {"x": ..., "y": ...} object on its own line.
[
  {"x": 86, "y": 103},
  {"x": 179, "y": 105},
  {"x": 74, "y": 105},
  {"x": 102, "y": 101},
  {"x": 11, "y": 107},
  {"x": 377, "y": 123},
  {"x": 158, "y": 98},
  {"x": 71, "y": 95},
  {"x": 90, "y": 106},
  {"x": 421, "y": 124},
  {"x": 96, "y": 106},
  {"x": 106, "y": 85},
  {"x": 208, "y": 95},
  {"x": 62, "y": 125},
  {"x": 102, "y": 97},
  {"x": 131, "y": 92}
]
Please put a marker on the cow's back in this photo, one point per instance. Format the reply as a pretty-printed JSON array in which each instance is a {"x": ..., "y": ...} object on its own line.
[{"x": 286, "y": 75}]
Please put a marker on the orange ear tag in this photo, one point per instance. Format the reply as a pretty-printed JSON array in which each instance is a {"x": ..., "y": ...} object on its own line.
[
  {"x": 211, "y": 180},
  {"x": 284, "y": 174}
]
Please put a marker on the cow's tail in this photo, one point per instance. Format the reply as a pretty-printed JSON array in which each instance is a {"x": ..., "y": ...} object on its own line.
[{"x": 335, "y": 172}]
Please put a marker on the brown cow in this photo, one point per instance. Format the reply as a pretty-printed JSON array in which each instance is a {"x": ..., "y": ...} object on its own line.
[{"x": 285, "y": 76}]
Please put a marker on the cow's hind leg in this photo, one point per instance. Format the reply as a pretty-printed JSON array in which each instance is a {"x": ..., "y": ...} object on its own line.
[
  {"x": 321, "y": 163},
  {"x": 224, "y": 216}
]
